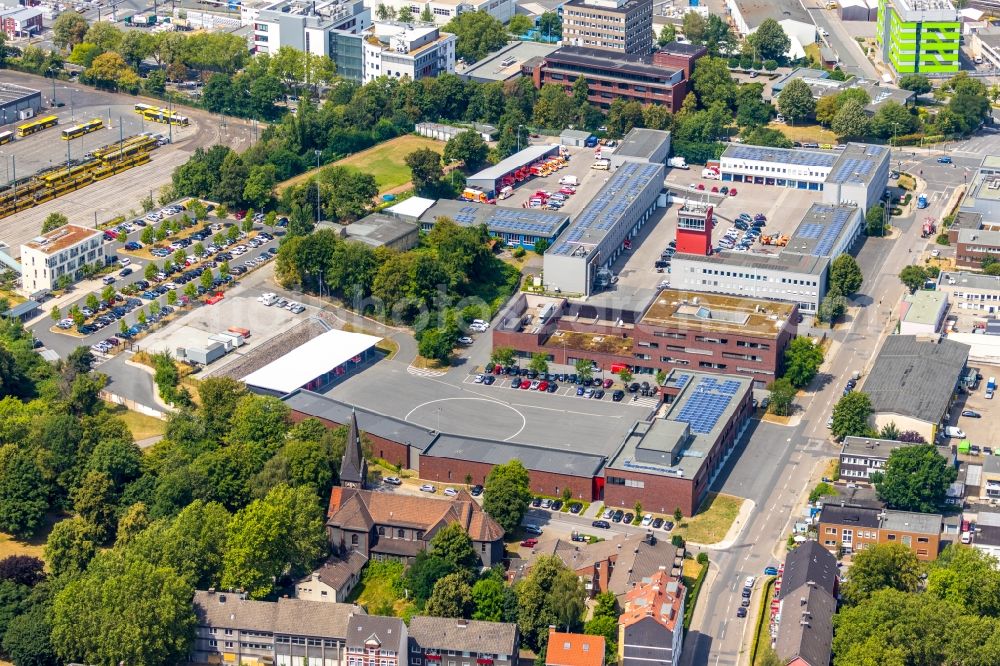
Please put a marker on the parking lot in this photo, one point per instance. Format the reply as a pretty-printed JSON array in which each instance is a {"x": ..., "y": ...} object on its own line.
[
  {"x": 591, "y": 181},
  {"x": 980, "y": 431}
]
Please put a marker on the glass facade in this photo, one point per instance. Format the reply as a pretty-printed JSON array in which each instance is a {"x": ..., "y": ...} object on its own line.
[{"x": 347, "y": 54}]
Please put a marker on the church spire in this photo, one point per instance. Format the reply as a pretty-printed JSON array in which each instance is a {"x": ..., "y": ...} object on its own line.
[{"x": 353, "y": 467}]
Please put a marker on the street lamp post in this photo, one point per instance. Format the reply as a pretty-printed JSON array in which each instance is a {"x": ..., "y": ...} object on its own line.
[{"x": 519, "y": 137}]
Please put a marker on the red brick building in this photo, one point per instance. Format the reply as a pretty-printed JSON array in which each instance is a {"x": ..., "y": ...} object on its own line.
[
  {"x": 612, "y": 76},
  {"x": 455, "y": 459},
  {"x": 670, "y": 462},
  {"x": 696, "y": 331},
  {"x": 678, "y": 55}
]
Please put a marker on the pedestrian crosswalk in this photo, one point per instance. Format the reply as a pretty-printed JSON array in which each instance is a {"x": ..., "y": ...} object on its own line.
[{"x": 424, "y": 372}]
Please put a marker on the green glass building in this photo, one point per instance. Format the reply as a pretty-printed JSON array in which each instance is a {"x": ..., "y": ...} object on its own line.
[{"x": 919, "y": 36}]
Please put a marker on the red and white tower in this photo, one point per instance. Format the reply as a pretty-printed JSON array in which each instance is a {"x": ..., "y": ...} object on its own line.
[{"x": 694, "y": 228}]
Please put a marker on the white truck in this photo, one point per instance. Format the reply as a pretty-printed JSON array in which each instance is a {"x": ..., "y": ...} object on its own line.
[
  {"x": 569, "y": 180},
  {"x": 711, "y": 173},
  {"x": 678, "y": 163}
]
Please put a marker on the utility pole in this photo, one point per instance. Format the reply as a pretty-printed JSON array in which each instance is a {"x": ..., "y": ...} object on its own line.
[{"x": 318, "y": 152}]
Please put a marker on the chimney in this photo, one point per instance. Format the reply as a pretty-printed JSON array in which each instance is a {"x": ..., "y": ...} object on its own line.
[
  {"x": 462, "y": 623},
  {"x": 222, "y": 598},
  {"x": 211, "y": 590}
]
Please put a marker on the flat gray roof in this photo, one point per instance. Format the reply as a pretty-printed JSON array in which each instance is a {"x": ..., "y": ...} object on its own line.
[
  {"x": 491, "y": 68},
  {"x": 10, "y": 92},
  {"x": 802, "y": 263},
  {"x": 678, "y": 444},
  {"x": 605, "y": 210},
  {"x": 22, "y": 309},
  {"x": 380, "y": 229},
  {"x": 516, "y": 161},
  {"x": 380, "y": 425},
  {"x": 537, "y": 458},
  {"x": 970, "y": 280},
  {"x": 980, "y": 236},
  {"x": 915, "y": 376},
  {"x": 641, "y": 143},
  {"x": 821, "y": 229},
  {"x": 796, "y": 156},
  {"x": 908, "y": 521},
  {"x": 859, "y": 162},
  {"x": 498, "y": 219},
  {"x": 871, "y": 447},
  {"x": 754, "y": 12},
  {"x": 574, "y": 134}
]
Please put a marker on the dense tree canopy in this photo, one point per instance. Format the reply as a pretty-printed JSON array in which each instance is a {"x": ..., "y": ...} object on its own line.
[
  {"x": 507, "y": 493},
  {"x": 916, "y": 478}
]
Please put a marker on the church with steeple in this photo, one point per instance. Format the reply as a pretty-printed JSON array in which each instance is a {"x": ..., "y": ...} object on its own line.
[{"x": 353, "y": 466}]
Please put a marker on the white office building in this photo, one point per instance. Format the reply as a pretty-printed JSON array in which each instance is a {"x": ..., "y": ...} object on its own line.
[
  {"x": 398, "y": 49},
  {"x": 64, "y": 251},
  {"x": 445, "y": 10},
  {"x": 330, "y": 28}
]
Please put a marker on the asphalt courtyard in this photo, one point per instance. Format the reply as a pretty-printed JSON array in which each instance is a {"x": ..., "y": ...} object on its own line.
[{"x": 453, "y": 403}]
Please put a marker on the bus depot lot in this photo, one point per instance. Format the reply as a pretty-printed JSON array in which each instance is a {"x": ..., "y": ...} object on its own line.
[
  {"x": 590, "y": 181},
  {"x": 448, "y": 404},
  {"x": 47, "y": 148}
]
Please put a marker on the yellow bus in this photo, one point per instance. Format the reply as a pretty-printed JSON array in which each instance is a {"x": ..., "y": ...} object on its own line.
[
  {"x": 164, "y": 116},
  {"x": 6, "y": 137},
  {"x": 143, "y": 108},
  {"x": 37, "y": 125},
  {"x": 80, "y": 130}
]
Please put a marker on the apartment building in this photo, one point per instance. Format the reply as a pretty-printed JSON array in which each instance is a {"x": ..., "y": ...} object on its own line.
[
  {"x": 398, "y": 49},
  {"x": 443, "y": 641},
  {"x": 376, "y": 641},
  {"x": 623, "y": 26},
  {"x": 809, "y": 584},
  {"x": 330, "y": 28},
  {"x": 919, "y": 36},
  {"x": 651, "y": 626},
  {"x": 860, "y": 456},
  {"x": 574, "y": 649},
  {"x": 854, "y": 528},
  {"x": 232, "y": 629},
  {"x": 974, "y": 245},
  {"x": 62, "y": 252}
]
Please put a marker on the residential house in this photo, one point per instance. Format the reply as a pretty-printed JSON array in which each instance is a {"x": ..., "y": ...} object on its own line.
[
  {"x": 989, "y": 484},
  {"x": 651, "y": 626},
  {"x": 986, "y": 535},
  {"x": 616, "y": 565},
  {"x": 232, "y": 629},
  {"x": 442, "y": 641},
  {"x": 574, "y": 649},
  {"x": 334, "y": 580},
  {"x": 376, "y": 641},
  {"x": 808, "y": 602}
]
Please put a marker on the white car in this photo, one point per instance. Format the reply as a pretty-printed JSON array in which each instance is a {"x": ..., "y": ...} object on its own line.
[
  {"x": 125, "y": 261},
  {"x": 608, "y": 513},
  {"x": 647, "y": 519},
  {"x": 479, "y": 379},
  {"x": 428, "y": 488},
  {"x": 465, "y": 340},
  {"x": 935, "y": 253},
  {"x": 450, "y": 492},
  {"x": 749, "y": 581},
  {"x": 392, "y": 481}
]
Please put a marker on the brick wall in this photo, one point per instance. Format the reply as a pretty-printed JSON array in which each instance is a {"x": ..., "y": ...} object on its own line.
[
  {"x": 394, "y": 452},
  {"x": 450, "y": 470}
]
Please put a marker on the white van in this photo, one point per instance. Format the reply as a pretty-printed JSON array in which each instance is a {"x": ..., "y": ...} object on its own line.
[
  {"x": 601, "y": 165},
  {"x": 954, "y": 432},
  {"x": 569, "y": 180}
]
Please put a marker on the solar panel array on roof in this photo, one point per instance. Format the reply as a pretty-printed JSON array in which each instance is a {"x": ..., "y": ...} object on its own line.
[
  {"x": 853, "y": 168},
  {"x": 809, "y": 230},
  {"x": 832, "y": 232},
  {"x": 607, "y": 207},
  {"x": 466, "y": 215},
  {"x": 682, "y": 380},
  {"x": 706, "y": 403},
  {"x": 523, "y": 221},
  {"x": 784, "y": 155}
]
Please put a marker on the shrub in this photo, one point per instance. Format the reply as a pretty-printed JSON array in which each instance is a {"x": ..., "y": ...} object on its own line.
[
  {"x": 942, "y": 239},
  {"x": 770, "y": 65},
  {"x": 734, "y": 62},
  {"x": 519, "y": 252},
  {"x": 677, "y": 541},
  {"x": 702, "y": 559}
]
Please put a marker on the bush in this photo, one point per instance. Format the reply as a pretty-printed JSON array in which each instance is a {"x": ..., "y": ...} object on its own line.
[
  {"x": 677, "y": 541},
  {"x": 519, "y": 252},
  {"x": 907, "y": 199},
  {"x": 702, "y": 559},
  {"x": 770, "y": 65},
  {"x": 942, "y": 239},
  {"x": 822, "y": 490}
]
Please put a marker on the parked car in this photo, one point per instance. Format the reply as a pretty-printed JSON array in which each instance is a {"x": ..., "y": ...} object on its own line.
[
  {"x": 971, "y": 414},
  {"x": 618, "y": 515},
  {"x": 450, "y": 492},
  {"x": 533, "y": 529},
  {"x": 601, "y": 524},
  {"x": 476, "y": 490},
  {"x": 392, "y": 481},
  {"x": 741, "y": 612},
  {"x": 657, "y": 523},
  {"x": 770, "y": 571},
  {"x": 529, "y": 543},
  {"x": 428, "y": 488}
]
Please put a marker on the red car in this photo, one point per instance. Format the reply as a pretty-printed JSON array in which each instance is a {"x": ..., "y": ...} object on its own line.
[
  {"x": 544, "y": 385},
  {"x": 732, "y": 192},
  {"x": 498, "y": 370},
  {"x": 607, "y": 383},
  {"x": 240, "y": 214},
  {"x": 529, "y": 543},
  {"x": 715, "y": 189},
  {"x": 568, "y": 191},
  {"x": 701, "y": 186},
  {"x": 525, "y": 385}
]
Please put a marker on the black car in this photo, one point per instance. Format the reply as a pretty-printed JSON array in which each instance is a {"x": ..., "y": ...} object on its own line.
[
  {"x": 489, "y": 379},
  {"x": 633, "y": 387},
  {"x": 668, "y": 525},
  {"x": 552, "y": 387},
  {"x": 747, "y": 592},
  {"x": 618, "y": 395},
  {"x": 628, "y": 518},
  {"x": 571, "y": 378},
  {"x": 603, "y": 524},
  {"x": 515, "y": 383},
  {"x": 575, "y": 507},
  {"x": 657, "y": 523},
  {"x": 618, "y": 515},
  {"x": 556, "y": 505},
  {"x": 741, "y": 612},
  {"x": 598, "y": 394},
  {"x": 537, "y": 502},
  {"x": 476, "y": 490}
]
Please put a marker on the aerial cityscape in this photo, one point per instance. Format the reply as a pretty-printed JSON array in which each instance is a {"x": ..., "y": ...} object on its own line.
[{"x": 499, "y": 333}]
